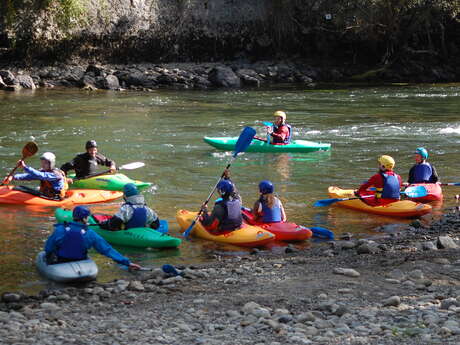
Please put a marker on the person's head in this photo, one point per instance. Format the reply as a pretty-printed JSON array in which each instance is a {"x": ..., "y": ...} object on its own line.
[
  {"x": 280, "y": 117},
  {"x": 130, "y": 189},
  {"x": 81, "y": 214},
  {"x": 266, "y": 187},
  {"x": 420, "y": 154},
  {"x": 225, "y": 188},
  {"x": 386, "y": 163},
  {"x": 48, "y": 161},
  {"x": 91, "y": 147}
]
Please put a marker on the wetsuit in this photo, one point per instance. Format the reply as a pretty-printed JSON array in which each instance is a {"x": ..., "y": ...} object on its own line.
[{"x": 86, "y": 165}]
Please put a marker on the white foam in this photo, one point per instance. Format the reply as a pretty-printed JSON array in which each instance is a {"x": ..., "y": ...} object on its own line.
[{"x": 450, "y": 130}]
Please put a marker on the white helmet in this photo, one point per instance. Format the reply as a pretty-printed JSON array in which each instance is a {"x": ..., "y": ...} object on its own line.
[{"x": 50, "y": 157}]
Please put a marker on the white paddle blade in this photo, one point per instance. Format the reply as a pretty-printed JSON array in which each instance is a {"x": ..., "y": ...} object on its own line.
[{"x": 132, "y": 166}]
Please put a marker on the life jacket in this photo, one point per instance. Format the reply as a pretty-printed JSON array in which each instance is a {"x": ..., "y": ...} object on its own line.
[
  {"x": 138, "y": 219},
  {"x": 47, "y": 188},
  {"x": 273, "y": 214},
  {"x": 73, "y": 245},
  {"x": 422, "y": 172},
  {"x": 233, "y": 218},
  {"x": 391, "y": 187},
  {"x": 287, "y": 140}
]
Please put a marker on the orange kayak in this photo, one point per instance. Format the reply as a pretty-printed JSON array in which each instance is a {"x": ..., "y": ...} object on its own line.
[
  {"x": 434, "y": 192},
  {"x": 9, "y": 195}
]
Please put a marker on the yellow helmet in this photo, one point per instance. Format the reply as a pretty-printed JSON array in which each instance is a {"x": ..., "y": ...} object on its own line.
[
  {"x": 281, "y": 114},
  {"x": 387, "y": 161}
]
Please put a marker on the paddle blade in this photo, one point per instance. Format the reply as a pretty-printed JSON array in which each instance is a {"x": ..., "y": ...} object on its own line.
[
  {"x": 416, "y": 192},
  {"x": 29, "y": 149},
  {"x": 187, "y": 231},
  {"x": 132, "y": 166},
  {"x": 170, "y": 269},
  {"x": 268, "y": 124},
  {"x": 325, "y": 202},
  {"x": 244, "y": 140},
  {"x": 322, "y": 233}
]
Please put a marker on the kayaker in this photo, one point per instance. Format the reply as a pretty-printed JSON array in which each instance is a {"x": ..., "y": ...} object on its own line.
[
  {"x": 422, "y": 171},
  {"x": 134, "y": 213},
  {"x": 226, "y": 214},
  {"x": 268, "y": 208},
  {"x": 85, "y": 164},
  {"x": 71, "y": 242},
  {"x": 280, "y": 132},
  {"x": 386, "y": 182},
  {"x": 53, "y": 183}
]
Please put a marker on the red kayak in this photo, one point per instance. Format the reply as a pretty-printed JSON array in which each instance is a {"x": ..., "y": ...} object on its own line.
[
  {"x": 434, "y": 192},
  {"x": 283, "y": 231}
]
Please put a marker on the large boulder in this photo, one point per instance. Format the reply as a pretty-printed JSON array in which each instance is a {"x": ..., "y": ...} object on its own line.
[
  {"x": 110, "y": 82},
  {"x": 223, "y": 77},
  {"x": 2, "y": 84},
  {"x": 26, "y": 81},
  {"x": 8, "y": 77}
]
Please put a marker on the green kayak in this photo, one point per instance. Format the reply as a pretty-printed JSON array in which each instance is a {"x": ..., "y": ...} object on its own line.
[
  {"x": 228, "y": 144},
  {"x": 106, "y": 182},
  {"x": 135, "y": 237}
]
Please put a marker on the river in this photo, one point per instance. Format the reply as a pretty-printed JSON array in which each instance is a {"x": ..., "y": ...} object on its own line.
[{"x": 164, "y": 129}]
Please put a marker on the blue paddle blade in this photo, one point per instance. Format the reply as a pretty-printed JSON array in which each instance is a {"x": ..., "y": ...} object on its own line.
[
  {"x": 326, "y": 202},
  {"x": 244, "y": 140},
  {"x": 163, "y": 226},
  {"x": 416, "y": 192},
  {"x": 187, "y": 231},
  {"x": 170, "y": 269},
  {"x": 322, "y": 233},
  {"x": 268, "y": 124}
]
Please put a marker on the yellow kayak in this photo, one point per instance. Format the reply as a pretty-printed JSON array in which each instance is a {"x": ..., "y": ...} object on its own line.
[
  {"x": 402, "y": 208},
  {"x": 246, "y": 236}
]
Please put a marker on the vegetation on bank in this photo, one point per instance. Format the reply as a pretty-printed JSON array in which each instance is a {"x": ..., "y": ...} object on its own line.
[{"x": 369, "y": 32}]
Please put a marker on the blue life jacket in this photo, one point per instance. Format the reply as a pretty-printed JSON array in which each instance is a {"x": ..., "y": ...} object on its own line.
[
  {"x": 138, "y": 219},
  {"x": 391, "y": 188},
  {"x": 271, "y": 215},
  {"x": 233, "y": 218},
  {"x": 422, "y": 172},
  {"x": 73, "y": 245},
  {"x": 287, "y": 140}
]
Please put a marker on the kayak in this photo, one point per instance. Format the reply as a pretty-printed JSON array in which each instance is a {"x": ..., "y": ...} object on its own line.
[
  {"x": 228, "y": 144},
  {"x": 67, "y": 272},
  {"x": 434, "y": 192},
  {"x": 134, "y": 237},
  {"x": 283, "y": 231},
  {"x": 17, "y": 195},
  {"x": 246, "y": 236},
  {"x": 106, "y": 182},
  {"x": 401, "y": 208}
]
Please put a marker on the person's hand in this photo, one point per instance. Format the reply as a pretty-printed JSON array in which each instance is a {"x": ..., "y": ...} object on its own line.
[
  {"x": 356, "y": 193},
  {"x": 7, "y": 180},
  {"x": 226, "y": 174},
  {"x": 69, "y": 180},
  {"x": 204, "y": 208},
  {"x": 21, "y": 164},
  {"x": 269, "y": 130},
  {"x": 134, "y": 267}
]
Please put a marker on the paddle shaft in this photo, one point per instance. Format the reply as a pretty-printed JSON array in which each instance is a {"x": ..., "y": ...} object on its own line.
[
  {"x": 24, "y": 156},
  {"x": 98, "y": 174}
]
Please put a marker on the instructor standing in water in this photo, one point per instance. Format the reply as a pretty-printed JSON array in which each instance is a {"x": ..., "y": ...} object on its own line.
[{"x": 85, "y": 164}]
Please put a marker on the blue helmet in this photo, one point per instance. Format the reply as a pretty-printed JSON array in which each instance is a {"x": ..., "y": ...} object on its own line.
[
  {"x": 422, "y": 152},
  {"x": 130, "y": 189},
  {"x": 80, "y": 213},
  {"x": 225, "y": 187},
  {"x": 266, "y": 187}
]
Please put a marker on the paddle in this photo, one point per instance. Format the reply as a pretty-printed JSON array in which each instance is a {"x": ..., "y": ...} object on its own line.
[
  {"x": 411, "y": 192},
  {"x": 243, "y": 142},
  {"x": 28, "y": 150},
  {"x": 450, "y": 184},
  {"x": 129, "y": 166},
  {"x": 268, "y": 124}
]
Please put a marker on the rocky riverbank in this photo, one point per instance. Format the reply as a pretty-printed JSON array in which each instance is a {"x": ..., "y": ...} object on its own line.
[
  {"x": 401, "y": 288},
  {"x": 147, "y": 77}
]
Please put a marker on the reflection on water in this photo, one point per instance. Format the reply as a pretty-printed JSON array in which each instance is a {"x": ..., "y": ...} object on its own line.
[{"x": 164, "y": 129}]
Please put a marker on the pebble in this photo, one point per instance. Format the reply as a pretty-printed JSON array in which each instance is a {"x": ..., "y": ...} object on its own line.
[
  {"x": 349, "y": 272},
  {"x": 9, "y": 297},
  {"x": 445, "y": 242},
  {"x": 49, "y": 306},
  {"x": 230, "y": 281},
  {"x": 308, "y": 316}
]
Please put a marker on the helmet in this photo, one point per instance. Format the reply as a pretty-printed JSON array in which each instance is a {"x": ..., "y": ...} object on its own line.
[
  {"x": 266, "y": 187},
  {"x": 50, "y": 157},
  {"x": 280, "y": 114},
  {"x": 225, "y": 187},
  {"x": 130, "y": 189},
  {"x": 422, "y": 152},
  {"x": 90, "y": 144},
  {"x": 387, "y": 161},
  {"x": 80, "y": 213}
]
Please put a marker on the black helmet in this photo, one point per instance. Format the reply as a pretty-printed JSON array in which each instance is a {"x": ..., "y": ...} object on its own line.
[{"x": 90, "y": 144}]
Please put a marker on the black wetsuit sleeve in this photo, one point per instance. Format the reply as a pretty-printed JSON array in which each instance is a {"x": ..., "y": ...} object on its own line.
[
  {"x": 434, "y": 175},
  {"x": 68, "y": 166},
  {"x": 218, "y": 213},
  {"x": 411, "y": 178},
  {"x": 102, "y": 160}
]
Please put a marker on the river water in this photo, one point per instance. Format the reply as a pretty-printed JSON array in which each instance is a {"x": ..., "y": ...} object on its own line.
[{"x": 164, "y": 129}]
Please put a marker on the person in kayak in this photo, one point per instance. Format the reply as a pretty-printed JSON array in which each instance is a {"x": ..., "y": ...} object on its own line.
[
  {"x": 386, "y": 182},
  {"x": 53, "y": 184},
  {"x": 85, "y": 164},
  {"x": 280, "y": 132},
  {"x": 422, "y": 171},
  {"x": 226, "y": 214},
  {"x": 268, "y": 208},
  {"x": 134, "y": 213},
  {"x": 71, "y": 242}
]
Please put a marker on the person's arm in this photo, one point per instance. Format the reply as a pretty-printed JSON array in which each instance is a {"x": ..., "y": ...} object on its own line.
[
  {"x": 434, "y": 175},
  {"x": 152, "y": 219},
  {"x": 105, "y": 161},
  {"x": 373, "y": 181},
  {"x": 68, "y": 166},
  {"x": 106, "y": 249},
  {"x": 411, "y": 178},
  {"x": 113, "y": 224},
  {"x": 257, "y": 209},
  {"x": 51, "y": 242},
  {"x": 283, "y": 213},
  {"x": 215, "y": 218},
  {"x": 33, "y": 174},
  {"x": 124, "y": 213}
]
